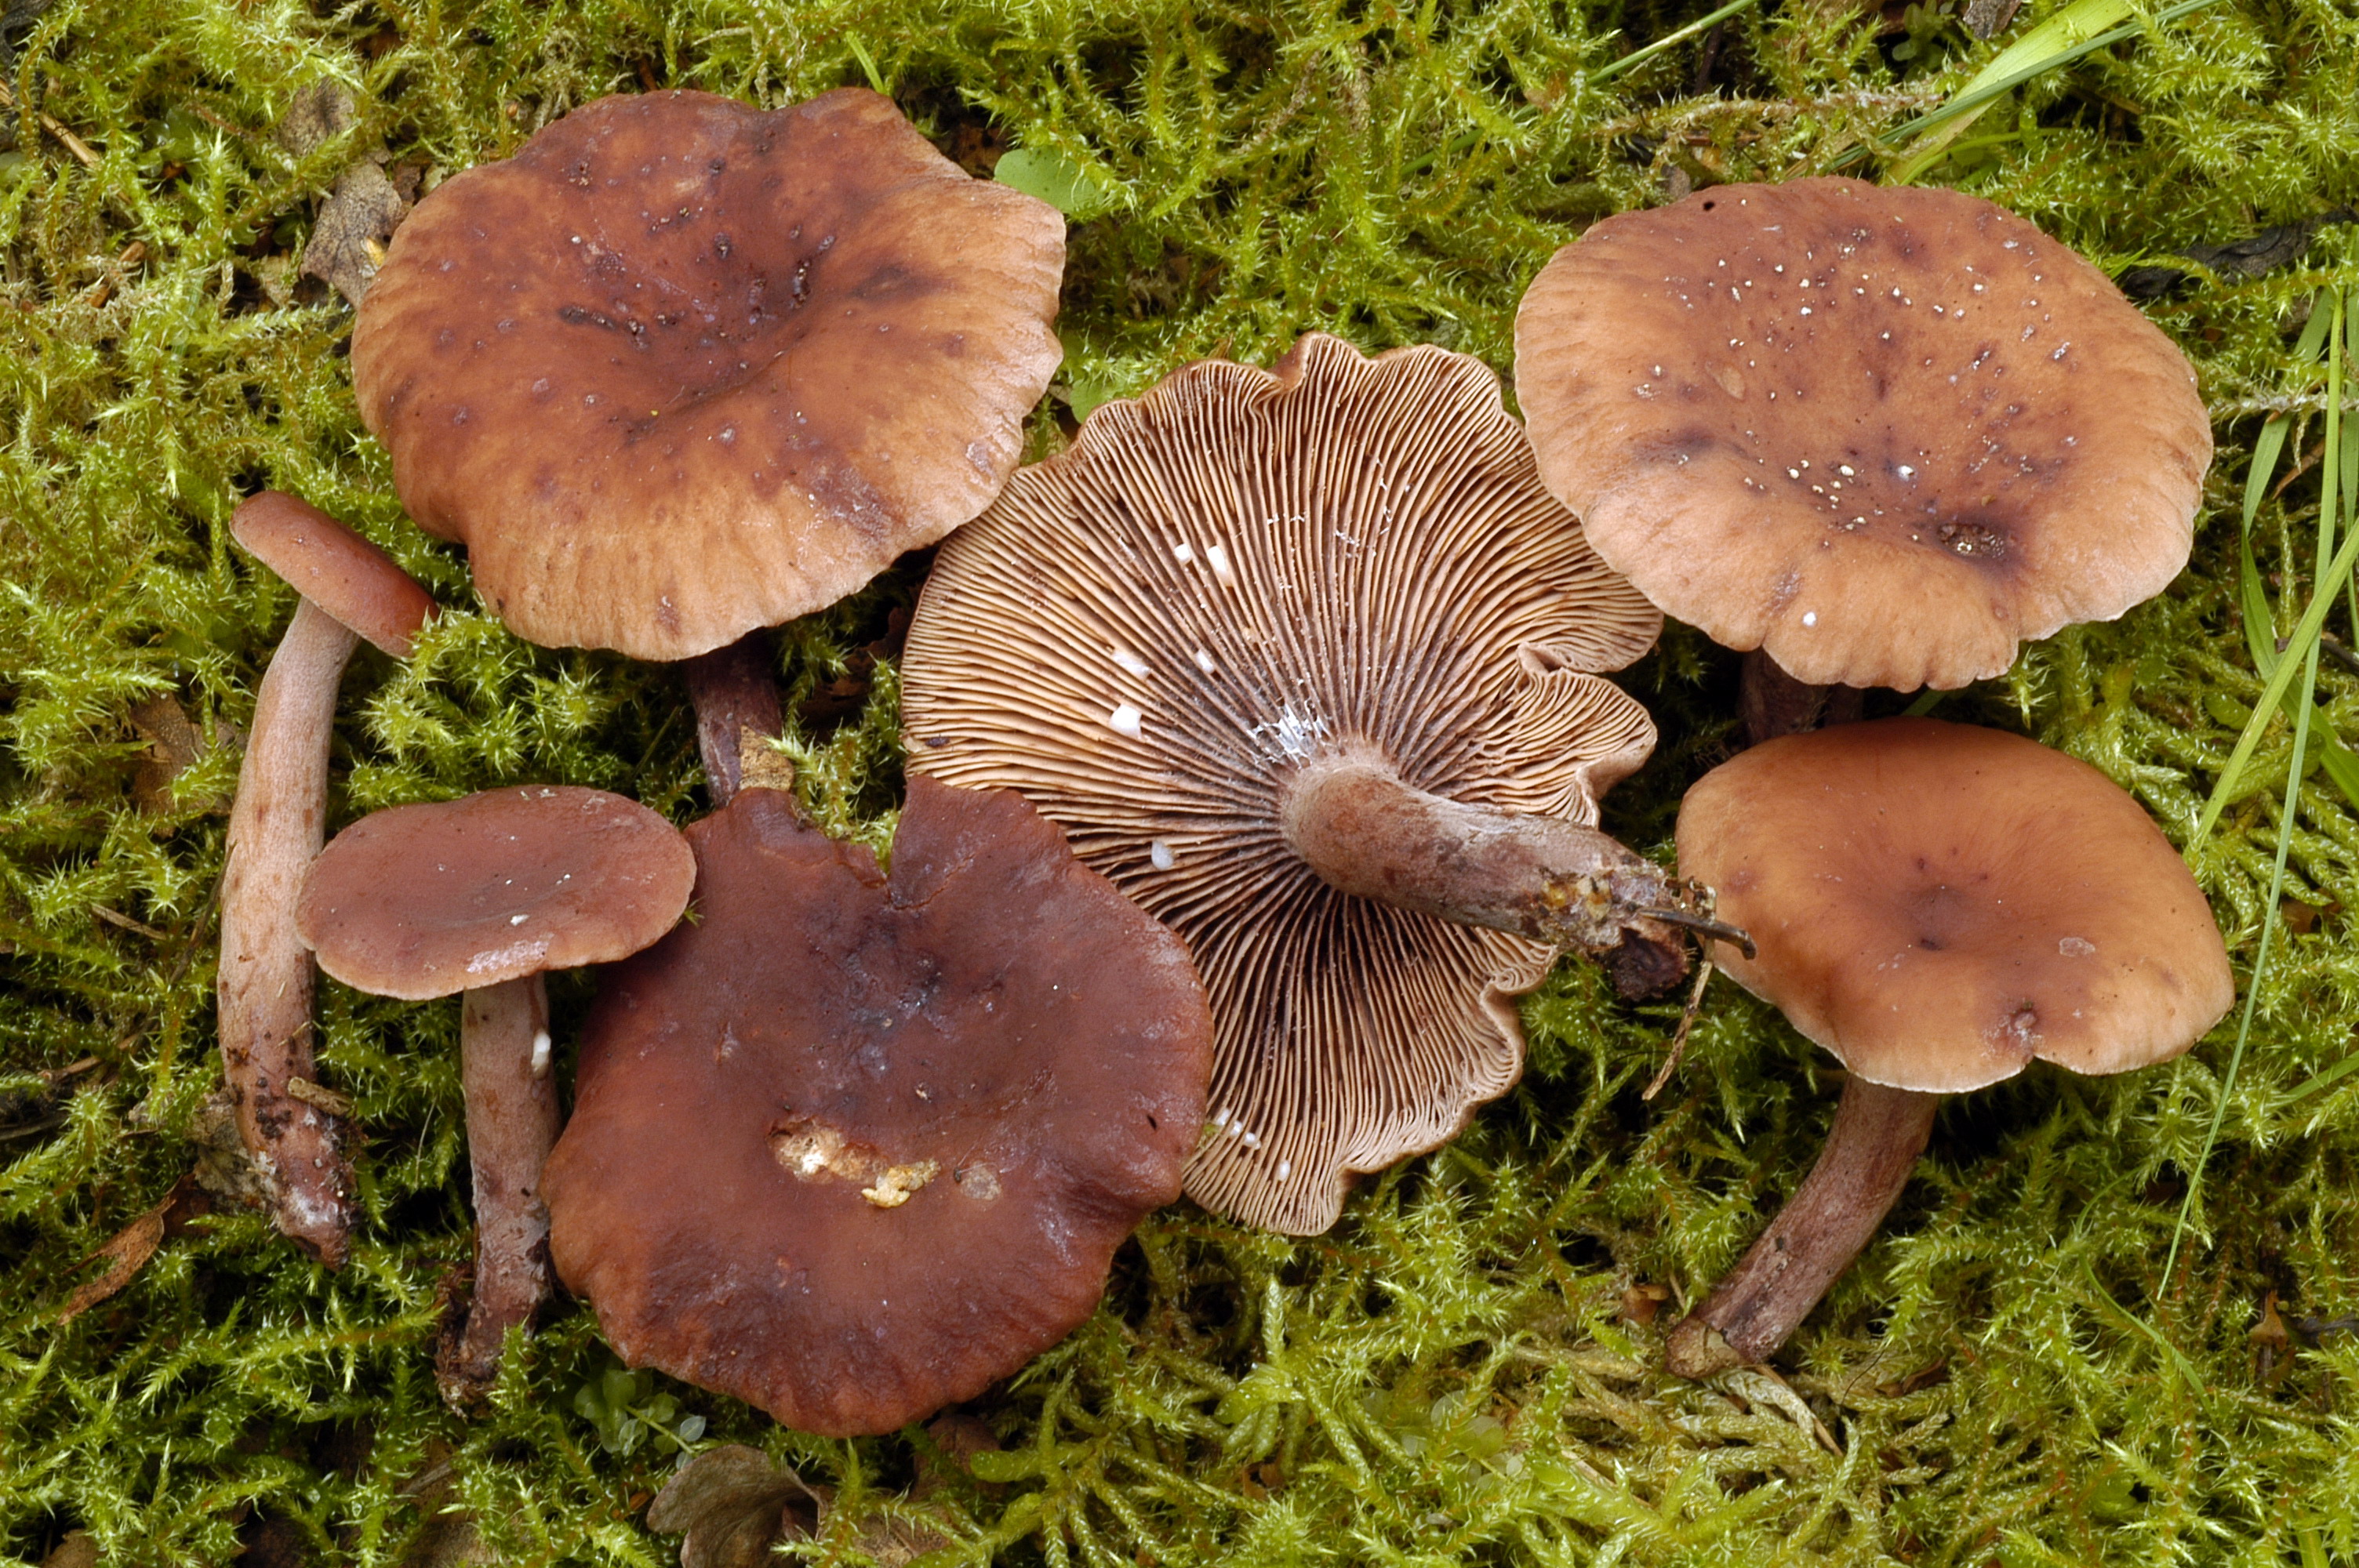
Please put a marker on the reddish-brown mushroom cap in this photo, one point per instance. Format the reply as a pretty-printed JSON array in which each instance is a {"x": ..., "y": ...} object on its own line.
[
  {"x": 852, "y": 1146},
  {"x": 682, "y": 367},
  {"x": 333, "y": 568},
  {"x": 1884, "y": 435},
  {"x": 427, "y": 901},
  {"x": 1937, "y": 904}
]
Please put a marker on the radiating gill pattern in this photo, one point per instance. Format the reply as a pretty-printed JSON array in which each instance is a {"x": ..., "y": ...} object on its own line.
[{"x": 1341, "y": 551}]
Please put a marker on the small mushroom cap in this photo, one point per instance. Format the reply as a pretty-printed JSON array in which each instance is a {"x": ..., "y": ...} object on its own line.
[
  {"x": 1884, "y": 435},
  {"x": 682, "y": 367},
  {"x": 1239, "y": 572},
  {"x": 333, "y": 568},
  {"x": 852, "y": 1146},
  {"x": 1937, "y": 904},
  {"x": 427, "y": 901}
]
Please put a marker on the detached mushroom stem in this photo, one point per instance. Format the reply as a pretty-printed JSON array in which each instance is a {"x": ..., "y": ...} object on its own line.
[
  {"x": 351, "y": 590},
  {"x": 265, "y": 1006},
  {"x": 512, "y": 1123},
  {"x": 1367, "y": 832},
  {"x": 1877, "y": 1135}
]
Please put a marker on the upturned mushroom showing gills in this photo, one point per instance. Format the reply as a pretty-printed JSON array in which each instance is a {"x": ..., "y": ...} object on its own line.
[
  {"x": 351, "y": 590},
  {"x": 485, "y": 895},
  {"x": 853, "y": 1145},
  {"x": 1938, "y": 906},
  {"x": 1302, "y": 659},
  {"x": 1882, "y": 435},
  {"x": 680, "y": 368}
]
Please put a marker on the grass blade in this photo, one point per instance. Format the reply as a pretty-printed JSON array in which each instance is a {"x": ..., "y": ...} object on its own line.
[
  {"x": 2334, "y": 567},
  {"x": 1672, "y": 40},
  {"x": 2081, "y": 28}
]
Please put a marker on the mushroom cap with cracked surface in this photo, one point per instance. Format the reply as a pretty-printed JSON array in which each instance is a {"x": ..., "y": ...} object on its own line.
[
  {"x": 682, "y": 367},
  {"x": 1938, "y": 904},
  {"x": 1244, "y": 570},
  {"x": 1886, "y": 435},
  {"x": 431, "y": 900},
  {"x": 853, "y": 1145}
]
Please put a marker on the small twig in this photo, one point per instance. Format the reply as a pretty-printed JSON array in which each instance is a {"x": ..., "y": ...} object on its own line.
[
  {"x": 127, "y": 924},
  {"x": 319, "y": 1096},
  {"x": 2298, "y": 469},
  {"x": 1687, "y": 1021},
  {"x": 50, "y": 123},
  {"x": 2340, "y": 650},
  {"x": 209, "y": 118},
  {"x": 133, "y": 255},
  {"x": 1672, "y": 40}
]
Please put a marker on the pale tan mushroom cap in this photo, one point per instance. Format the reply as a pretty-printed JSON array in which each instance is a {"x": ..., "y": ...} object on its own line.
[
  {"x": 682, "y": 367},
  {"x": 1937, "y": 904},
  {"x": 1884, "y": 435},
  {"x": 1243, "y": 570}
]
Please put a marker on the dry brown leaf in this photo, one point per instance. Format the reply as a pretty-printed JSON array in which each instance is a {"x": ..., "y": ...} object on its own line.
[
  {"x": 127, "y": 1254},
  {"x": 1988, "y": 19},
  {"x": 321, "y": 111},
  {"x": 733, "y": 1505},
  {"x": 961, "y": 1436},
  {"x": 174, "y": 747},
  {"x": 76, "y": 1551},
  {"x": 278, "y": 277},
  {"x": 347, "y": 244},
  {"x": 1640, "y": 1302},
  {"x": 223, "y": 1167},
  {"x": 895, "y": 1543},
  {"x": 447, "y": 1541}
]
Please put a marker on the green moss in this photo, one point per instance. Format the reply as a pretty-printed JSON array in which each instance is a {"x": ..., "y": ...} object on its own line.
[{"x": 1449, "y": 1377}]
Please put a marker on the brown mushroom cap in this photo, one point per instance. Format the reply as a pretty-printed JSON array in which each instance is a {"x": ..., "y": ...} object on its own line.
[
  {"x": 852, "y": 1145},
  {"x": 682, "y": 367},
  {"x": 427, "y": 901},
  {"x": 333, "y": 568},
  {"x": 1937, "y": 904},
  {"x": 1884, "y": 435},
  {"x": 1238, "y": 573}
]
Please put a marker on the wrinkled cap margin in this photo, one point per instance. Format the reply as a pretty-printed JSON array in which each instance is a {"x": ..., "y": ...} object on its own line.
[
  {"x": 427, "y": 901},
  {"x": 1240, "y": 572},
  {"x": 1884, "y": 435},
  {"x": 682, "y": 367},
  {"x": 1938, "y": 904},
  {"x": 853, "y": 1145},
  {"x": 333, "y": 568}
]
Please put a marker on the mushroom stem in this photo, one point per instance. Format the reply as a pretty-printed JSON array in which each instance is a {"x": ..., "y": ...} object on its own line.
[
  {"x": 1873, "y": 1144},
  {"x": 1366, "y": 831},
  {"x": 1775, "y": 703},
  {"x": 511, "y": 1126},
  {"x": 264, "y": 988},
  {"x": 734, "y": 688}
]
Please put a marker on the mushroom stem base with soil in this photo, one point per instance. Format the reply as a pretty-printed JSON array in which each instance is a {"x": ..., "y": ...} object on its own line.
[
  {"x": 265, "y": 988},
  {"x": 512, "y": 1123},
  {"x": 1368, "y": 832},
  {"x": 1877, "y": 1134},
  {"x": 1774, "y": 703}
]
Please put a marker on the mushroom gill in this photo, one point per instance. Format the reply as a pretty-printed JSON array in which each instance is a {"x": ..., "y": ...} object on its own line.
[{"x": 1303, "y": 660}]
